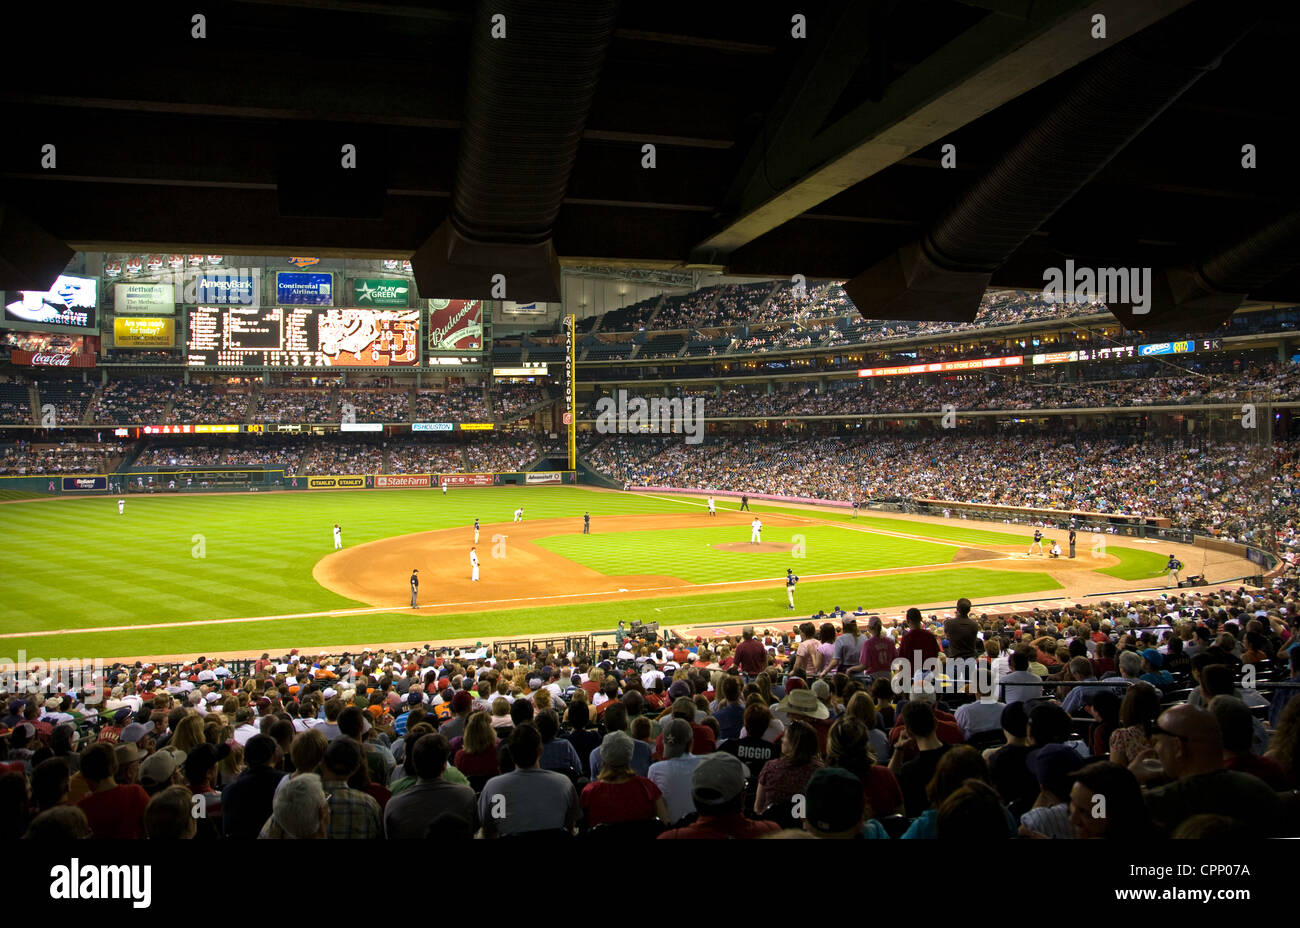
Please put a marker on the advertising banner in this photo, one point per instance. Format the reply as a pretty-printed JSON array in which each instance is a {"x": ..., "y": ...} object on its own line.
[
  {"x": 51, "y": 359},
  {"x": 533, "y": 478},
  {"x": 145, "y": 299},
  {"x": 69, "y": 305},
  {"x": 476, "y": 426},
  {"x": 337, "y": 483},
  {"x": 1167, "y": 348},
  {"x": 224, "y": 287},
  {"x": 455, "y": 325},
  {"x": 296, "y": 289},
  {"x": 465, "y": 480},
  {"x": 570, "y": 417},
  {"x": 404, "y": 480},
  {"x": 283, "y": 336},
  {"x": 527, "y": 309},
  {"x": 361, "y": 426},
  {"x": 143, "y": 332},
  {"x": 432, "y": 427},
  {"x": 371, "y": 291},
  {"x": 84, "y": 484},
  {"x": 943, "y": 366}
]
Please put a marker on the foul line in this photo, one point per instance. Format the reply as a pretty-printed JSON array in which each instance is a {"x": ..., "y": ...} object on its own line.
[{"x": 370, "y": 610}]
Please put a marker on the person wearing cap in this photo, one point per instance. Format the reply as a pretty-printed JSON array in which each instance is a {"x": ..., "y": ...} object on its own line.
[
  {"x": 673, "y": 774},
  {"x": 618, "y": 794},
  {"x": 528, "y": 799},
  {"x": 1052, "y": 765},
  {"x": 161, "y": 770},
  {"x": 113, "y": 810},
  {"x": 129, "y": 757},
  {"x": 1152, "y": 672},
  {"x": 835, "y": 807},
  {"x": 718, "y": 791}
]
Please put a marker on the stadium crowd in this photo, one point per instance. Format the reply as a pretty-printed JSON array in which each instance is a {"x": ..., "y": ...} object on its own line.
[
  {"x": 456, "y": 404},
  {"x": 496, "y": 452},
  {"x": 298, "y": 405},
  {"x": 509, "y": 399},
  {"x": 66, "y": 457},
  {"x": 378, "y": 405},
  {"x": 1180, "y": 711},
  {"x": 208, "y": 404},
  {"x": 1227, "y": 490},
  {"x": 131, "y": 402}
]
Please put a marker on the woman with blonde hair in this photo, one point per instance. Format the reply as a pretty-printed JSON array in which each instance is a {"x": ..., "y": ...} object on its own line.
[
  {"x": 189, "y": 733},
  {"x": 477, "y": 756},
  {"x": 501, "y": 713},
  {"x": 541, "y": 700},
  {"x": 863, "y": 708}
]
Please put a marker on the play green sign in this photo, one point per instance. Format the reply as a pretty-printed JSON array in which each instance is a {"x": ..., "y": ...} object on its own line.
[{"x": 370, "y": 291}]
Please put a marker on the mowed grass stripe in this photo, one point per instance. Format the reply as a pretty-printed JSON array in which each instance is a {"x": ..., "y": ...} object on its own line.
[{"x": 891, "y": 591}]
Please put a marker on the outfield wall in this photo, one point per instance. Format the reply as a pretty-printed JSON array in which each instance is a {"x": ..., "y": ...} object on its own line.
[{"x": 214, "y": 479}]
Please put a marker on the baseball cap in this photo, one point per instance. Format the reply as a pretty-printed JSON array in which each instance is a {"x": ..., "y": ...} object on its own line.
[
  {"x": 678, "y": 732},
  {"x": 616, "y": 750},
  {"x": 821, "y": 689},
  {"x": 1153, "y": 657},
  {"x": 413, "y": 699},
  {"x": 1052, "y": 764},
  {"x": 121, "y": 715},
  {"x": 462, "y": 701},
  {"x": 158, "y": 768},
  {"x": 834, "y": 799},
  {"x": 719, "y": 778},
  {"x": 135, "y": 731}
]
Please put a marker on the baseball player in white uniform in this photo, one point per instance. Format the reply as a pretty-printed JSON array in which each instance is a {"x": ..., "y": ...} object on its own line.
[
  {"x": 444, "y": 489},
  {"x": 338, "y": 537},
  {"x": 473, "y": 564},
  {"x": 121, "y": 506},
  {"x": 712, "y": 510},
  {"x": 755, "y": 531},
  {"x": 519, "y": 514},
  {"x": 790, "y": 581}
]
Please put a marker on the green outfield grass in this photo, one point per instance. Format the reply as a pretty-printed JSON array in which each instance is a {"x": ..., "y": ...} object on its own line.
[
  {"x": 1135, "y": 564},
  {"x": 769, "y": 604},
  {"x": 75, "y": 563}
]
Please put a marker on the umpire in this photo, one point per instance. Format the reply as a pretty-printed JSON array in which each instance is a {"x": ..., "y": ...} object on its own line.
[
  {"x": 744, "y": 503},
  {"x": 1071, "y": 542},
  {"x": 415, "y": 587},
  {"x": 586, "y": 523}
]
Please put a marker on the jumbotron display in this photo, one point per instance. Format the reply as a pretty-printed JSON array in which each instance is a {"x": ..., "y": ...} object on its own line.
[{"x": 302, "y": 336}]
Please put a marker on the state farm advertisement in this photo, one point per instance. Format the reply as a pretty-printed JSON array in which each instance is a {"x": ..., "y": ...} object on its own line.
[
  {"x": 466, "y": 480},
  {"x": 455, "y": 325},
  {"x": 403, "y": 480}
]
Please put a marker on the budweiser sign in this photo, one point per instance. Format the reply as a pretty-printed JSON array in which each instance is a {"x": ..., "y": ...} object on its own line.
[{"x": 52, "y": 359}]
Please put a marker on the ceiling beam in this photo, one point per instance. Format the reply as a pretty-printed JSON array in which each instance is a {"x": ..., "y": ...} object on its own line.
[{"x": 994, "y": 62}]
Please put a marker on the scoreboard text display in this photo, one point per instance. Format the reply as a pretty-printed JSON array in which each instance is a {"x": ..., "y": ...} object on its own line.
[{"x": 302, "y": 336}]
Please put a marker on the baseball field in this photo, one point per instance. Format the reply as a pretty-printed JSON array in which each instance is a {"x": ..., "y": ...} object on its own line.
[{"x": 233, "y": 573}]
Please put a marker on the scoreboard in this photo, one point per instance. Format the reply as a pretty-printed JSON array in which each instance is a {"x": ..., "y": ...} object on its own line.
[{"x": 302, "y": 336}]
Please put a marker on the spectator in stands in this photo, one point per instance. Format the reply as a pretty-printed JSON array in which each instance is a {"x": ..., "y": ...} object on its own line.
[
  {"x": 169, "y": 815},
  {"x": 477, "y": 758},
  {"x": 673, "y": 775},
  {"x": 971, "y": 815},
  {"x": 1282, "y": 697},
  {"x": 413, "y": 812},
  {"x": 1237, "y": 727},
  {"x": 618, "y": 794},
  {"x": 581, "y": 735},
  {"x": 528, "y": 799},
  {"x": 955, "y": 768},
  {"x": 784, "y": 776},
  {"x": 1008, "y": 765},
  {"x": 113, "y": 811},
  {"x": 728, "y": 708},
  {"x": 246, "y": 803},
  {"x": 836, "y": 807},
  {"x": 849, "y": 746},
  {"x": 982, "y": 715},
  {"x": 558, "y": 754},
  {"x": 718, "y": 789},
  {"x": 1137, "y": 717},
  {"x": 919, "y": 739},
  {"x": 354, "y": 813},
  {"x": 1052, "y": 765},
  {"x": 751, "y": 655},
  {"x": 1189, "y": 746},
  {"x": 1106, "y": 802},
  {"x": 1020, "y": 684},
  {"x": 877, "y": 653},
  {"x": 300, "y": 810}
]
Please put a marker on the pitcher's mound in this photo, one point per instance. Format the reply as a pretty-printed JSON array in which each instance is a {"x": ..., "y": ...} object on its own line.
[{"x": 763, "y": 547}]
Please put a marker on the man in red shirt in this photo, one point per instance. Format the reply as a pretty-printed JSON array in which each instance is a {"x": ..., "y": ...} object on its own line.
[
  {"x": 917, "y": 645},
  {"x": 113, "y": 811},
  {"x": 751, "y": 656},
  {"x": 718, "y": 788}
]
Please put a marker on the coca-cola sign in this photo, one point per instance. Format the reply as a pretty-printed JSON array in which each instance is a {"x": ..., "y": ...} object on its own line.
[{"x": 52, "y": 359}]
